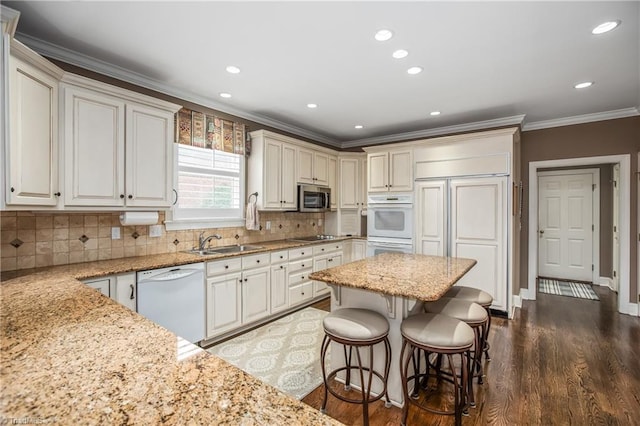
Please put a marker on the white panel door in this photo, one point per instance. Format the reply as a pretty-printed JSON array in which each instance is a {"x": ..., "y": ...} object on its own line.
[
  {"x": 565, "y": 235},
  {"x": 256, "y": 294},
  {"x": 478, "y": 231},
  {"x": 272, "y": 197},
  {"x": 349, "y": 183},
  {"x": 616, "y": 227},
  {"x": 431, "y": 222},
  {"x": 224, "y": 308},
  {"x": 149, "y": 157},
  {"x": 279, "y": 287},
  {"x": 320, "y": 168},
  {"x": 401, "y": 170},
  {"x": 377, "y": 172},
  {"x": 305, "y": 166},
  {"x": 289, "y": 185},
  {"x": 332, "y": 181}
]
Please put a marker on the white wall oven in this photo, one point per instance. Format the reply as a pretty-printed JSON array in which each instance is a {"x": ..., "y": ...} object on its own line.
[{"x": 390, "y": 223}]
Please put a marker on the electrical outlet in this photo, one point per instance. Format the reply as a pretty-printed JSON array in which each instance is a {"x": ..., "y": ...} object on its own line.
[
  {"x": 155, "y": 231},
  {"x": 320, "y": 222},
  {"x": 267, "y": 225},
  {"x": 115, "y": 233}
]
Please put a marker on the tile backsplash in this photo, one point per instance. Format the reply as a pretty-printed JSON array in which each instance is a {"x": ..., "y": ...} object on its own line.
[{"x": 29, "y": 240}]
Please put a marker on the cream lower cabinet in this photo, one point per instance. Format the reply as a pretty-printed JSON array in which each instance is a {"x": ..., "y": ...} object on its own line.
[
  {"x": 103, "y": 285},
  {"x": 256, "y": 287},
  {"x": 358, "y": 250},
  {"x": 118, "y": 152},
  {"x": 32, "y": 147},
  {"x": 279, "y": 281},
  {"x": 224, "y": 296},
  {"x": 121, "y": 288},
  {"x": 300, "y": 267},
  {"x": 325, "y": 256}
]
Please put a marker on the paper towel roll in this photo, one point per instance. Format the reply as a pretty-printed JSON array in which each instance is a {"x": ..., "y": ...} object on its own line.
[{"x": 138, "y": 218}]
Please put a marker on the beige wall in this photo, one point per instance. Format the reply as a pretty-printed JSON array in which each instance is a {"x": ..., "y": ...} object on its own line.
[
  {"x": 611, "y": 137},
  {"x": 54, "y": 239}
]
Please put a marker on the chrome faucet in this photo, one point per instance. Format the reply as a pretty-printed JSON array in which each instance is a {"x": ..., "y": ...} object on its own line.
[{"x": 202, "y": 240}]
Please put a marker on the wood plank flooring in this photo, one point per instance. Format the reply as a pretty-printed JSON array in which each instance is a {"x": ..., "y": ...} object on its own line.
[{"x": 561, "y": 361}]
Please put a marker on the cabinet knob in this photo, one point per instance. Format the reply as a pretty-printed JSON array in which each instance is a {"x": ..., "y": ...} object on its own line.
[
  {"x": 281, "y": 257},
  {"x": 226, "y": 266},
  {"x": 258, "y": 261},
  {"x": 321, "y": 249},
  {"x": 303, "y": 293},
  {"x": 245, "y": 280},
  {"x": 303, "y": 255},
  {"x": 57, "y": 194},
  {"x": 330, "y": 260},
  {"x": 303, "y": 279},
  {"x": 303, "y": 263},
  {"x": 13, "y": 189},
  {"x": 281, "y": 267},
  {"x": 121, "y": 195},
  {"x": 130, "y": 197}
]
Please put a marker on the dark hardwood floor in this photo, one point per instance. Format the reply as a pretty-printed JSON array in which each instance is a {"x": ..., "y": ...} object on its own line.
[{"x": 560, "y": 361}]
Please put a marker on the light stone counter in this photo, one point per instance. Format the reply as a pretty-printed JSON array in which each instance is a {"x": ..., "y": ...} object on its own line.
[{"x": 71, "y": 355}]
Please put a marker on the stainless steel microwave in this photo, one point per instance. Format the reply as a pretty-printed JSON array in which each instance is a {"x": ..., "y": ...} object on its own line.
[{"x": 313, "y": 198}]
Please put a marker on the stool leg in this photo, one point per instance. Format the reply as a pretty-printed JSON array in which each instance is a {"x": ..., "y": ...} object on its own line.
[
  {"x": 416, "y": 371},
  {"x": 323, "y": 352},
  {"x": 387, "y": 363},
  {"x": 486, "y": 336},
  {"x": 404, "y": 368},
  {"x": 347, "y": 361},
  {"x": 365, "y": 395},
  {"x": 456, "y": 391}
]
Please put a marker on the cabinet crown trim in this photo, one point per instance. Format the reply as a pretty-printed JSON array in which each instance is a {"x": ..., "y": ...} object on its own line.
[
  {"x": 22, "y": 52},
  {"x": 287, "y": 139}
]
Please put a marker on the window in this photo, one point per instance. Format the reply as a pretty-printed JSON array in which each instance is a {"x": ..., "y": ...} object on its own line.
[{"x": 210, "y": 185}]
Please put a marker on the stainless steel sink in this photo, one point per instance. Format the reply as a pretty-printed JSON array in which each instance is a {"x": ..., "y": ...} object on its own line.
[{"x": 223, "y": 250}]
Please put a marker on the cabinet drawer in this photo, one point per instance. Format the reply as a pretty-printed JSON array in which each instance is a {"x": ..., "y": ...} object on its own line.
[
  {"x": 300, "y": 293},
  {"x": 297, "y": 265},
  {"x": 218, "y": 267},
  {"x": 319, "y": 288},
  {"x": 255, "y": 260},
  {"x": 299, "y": 277},
  {"x": 279, "y": 256},
  {"x": 297, "y": 253},
  {"x": 326, "y": 248}
]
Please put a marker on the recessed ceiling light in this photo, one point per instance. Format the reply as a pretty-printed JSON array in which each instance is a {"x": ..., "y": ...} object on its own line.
[
  {"x": 605, "y": 27},
  {"x": 434, "y": 113},
  {"x": 359, "y": 126},
  {"x": 414, "y": 70},
  {"x": 383, "y": 35},
  {"x": 233, "y": 69},
  {"x": 225, "y": 95},
  {"x": 312, "y": 106},
  {"x": 399, "y": 54},
  {"x": 583, "y": 85}
]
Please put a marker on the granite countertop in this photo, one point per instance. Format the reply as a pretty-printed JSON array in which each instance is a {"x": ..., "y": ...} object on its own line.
[
  {"x": 70, "y": 354},
  {"x": 414, "y": 276}
]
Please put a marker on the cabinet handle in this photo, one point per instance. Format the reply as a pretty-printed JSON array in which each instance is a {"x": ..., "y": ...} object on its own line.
[
  {"x": 130, "y": 197},
  {"x": 57, "y": 194},
  {"x": 121, "y": 195},
  {"x": 176, "y": 201},
  {"x": 131, "y": 286}
]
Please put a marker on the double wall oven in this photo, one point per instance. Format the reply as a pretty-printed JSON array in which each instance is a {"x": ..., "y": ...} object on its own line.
[{"x": 390, "y": 223}]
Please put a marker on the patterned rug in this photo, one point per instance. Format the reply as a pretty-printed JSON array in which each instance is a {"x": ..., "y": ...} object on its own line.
[
  {"x": 284, "y": 354},
  {"x": 566, "y": 288}
]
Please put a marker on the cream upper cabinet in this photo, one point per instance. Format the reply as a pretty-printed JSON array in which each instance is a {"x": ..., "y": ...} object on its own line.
[
  {"x": 272, "y": 173},
  {"x": 32, "y": 157},
  {"x": 390, "y": 171},
  {"x": 332, "y": 177},
  {"x": 118, "y": 152},
  {"x": 352, "y": 182},
  {"x": 313, "y": 167}
]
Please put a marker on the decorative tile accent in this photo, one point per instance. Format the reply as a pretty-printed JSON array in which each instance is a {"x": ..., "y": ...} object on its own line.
[
  {"x": 280, "y": 226},
  {"x": 16, "y": 243},
  {"x": 237, "y": 237},
  {"x": 176, "y": 242},
  {"x": 135, "y": 235},
  {"x": 84, "y": 238},
  {"x": 298, "y": 226}
]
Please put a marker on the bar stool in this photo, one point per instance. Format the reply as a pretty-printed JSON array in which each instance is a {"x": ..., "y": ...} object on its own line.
[
  {"x": 480, "y": 297},
  {"x": 475, "y": 316},
  {"x": 356, "y": 328},
  {"x": 442, "y": 335}
]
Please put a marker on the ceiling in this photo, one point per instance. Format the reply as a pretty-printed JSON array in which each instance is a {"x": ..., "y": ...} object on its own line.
[{"x": 484, "y": 63}]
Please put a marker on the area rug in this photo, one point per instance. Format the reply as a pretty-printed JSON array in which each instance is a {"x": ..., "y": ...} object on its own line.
[
  {"x": 284, "y": 354},
  {"x": 566, "y": 288}
]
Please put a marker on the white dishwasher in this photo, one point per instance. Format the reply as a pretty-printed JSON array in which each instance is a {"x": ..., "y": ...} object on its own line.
[{"x": 175, "y": 299}]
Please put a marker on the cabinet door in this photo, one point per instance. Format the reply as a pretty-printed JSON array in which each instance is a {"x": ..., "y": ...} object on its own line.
[
  {"x": 126, "y": 290},
  {"x": 272, "y": 198},
  {"x": 256, "y": 294},
  {"x": 377, "y": 167},
  {"x": 33, "y": 138},
  {"x": 362, "y": 183},
  {"x": 94, "y": 148},
  {"x": 279, "y": 288},
  {"x": 333, "y": 171},
  {"x": 223, "y": 304},
  {"x": 359, "y": 250},
  {"x": 149, "y": 157},
  {"x": 319, "y": 263},
  {"x": 103, "y": 286},
  {"x": 305, "y": 166},
  {"x": 349, "y": 183},
  {"x": 320, "y": 168},
  {"x": 288, "y": 176},
  {"x": 431, "y": 232},
  {"x": 401, "y": 171}
]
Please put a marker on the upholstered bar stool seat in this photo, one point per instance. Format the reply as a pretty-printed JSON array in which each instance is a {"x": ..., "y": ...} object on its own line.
[
  {"x": 480, "y": 297},
  {"x": 356, "y": 328},
  {"x": 442, "y": 335}
]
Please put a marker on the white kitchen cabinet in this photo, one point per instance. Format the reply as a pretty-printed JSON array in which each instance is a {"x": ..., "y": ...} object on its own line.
[
  {"x": 272, "y": 172},
  {"x": 300, "y": 267},
  {"x": 353, "y": 182},
  {"x": 103, "y": 285},
  {"x": 333, "y": 184},
  {"x": 125, "y": 290},
  {"x": 313, "y": 167},
  {"x": 118, "y": 147},
  {"x": 279, "y": 287},
  {"x": 358, "y": 250},
  {"x": 224, "y": 303},
  {"x": 256, "y": 294},
  {"x": 325, "y": 256},
  {"x": 390, "y": 171},
  {"x": 32, "y": 148}
]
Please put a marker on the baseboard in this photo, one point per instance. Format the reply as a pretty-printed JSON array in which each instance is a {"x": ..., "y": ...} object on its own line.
[
  {"x": 629, "y": 309},
  {"x": 527, "y": 294},
  {"x": 605, "y": 281}
]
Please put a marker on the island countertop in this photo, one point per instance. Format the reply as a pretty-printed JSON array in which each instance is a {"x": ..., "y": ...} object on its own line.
[{"x": 414, "y": 276}]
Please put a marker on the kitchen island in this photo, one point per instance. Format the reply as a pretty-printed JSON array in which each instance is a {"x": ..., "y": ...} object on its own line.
[{"x": 395, "y": 285}]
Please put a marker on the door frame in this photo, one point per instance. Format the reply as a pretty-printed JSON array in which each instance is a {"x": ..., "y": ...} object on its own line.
[
  {"x": 624, "y": 306},
  {"x": 595, "y": 214}
]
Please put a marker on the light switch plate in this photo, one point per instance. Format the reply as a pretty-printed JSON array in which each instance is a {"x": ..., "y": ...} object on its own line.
[
  {"x": 115, "y": 233},
  {"x": 267, "y": 225},
  {"x": 155, "y": 231}
]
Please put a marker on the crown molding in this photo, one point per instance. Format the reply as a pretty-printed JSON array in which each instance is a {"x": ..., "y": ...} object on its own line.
[
  {"x": 84, "y": 61},
  {"x": 9, "y": 18},
  {"x": 515, "y": 120},
  {"x": 581, "y": 119}
]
